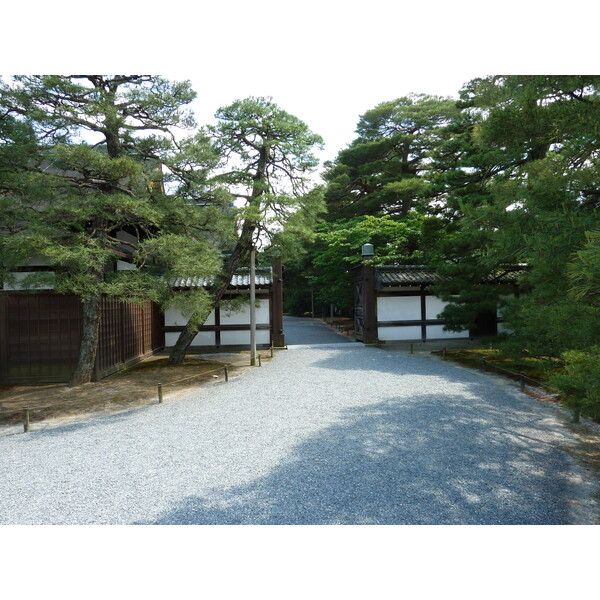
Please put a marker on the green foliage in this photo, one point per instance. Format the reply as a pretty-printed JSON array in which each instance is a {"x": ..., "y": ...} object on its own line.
[
  {"x": 338, "y": 246},
  {"x": 579, "y": 382},
  {"x": 547, "y": 329},
  {"x": 69, "y": 198},
  {"x": 532, "y": 197},
  {"x": 384, "y": 170},
  {"x": 267, "y": 156},
  {"x": 583, "y": 272},
  {"x": 378, "y": 191},
  {"x": 195, "y": 305}
]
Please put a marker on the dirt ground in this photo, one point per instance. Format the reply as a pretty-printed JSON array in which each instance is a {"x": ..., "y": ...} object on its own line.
[{"x": 127, "y": 389}]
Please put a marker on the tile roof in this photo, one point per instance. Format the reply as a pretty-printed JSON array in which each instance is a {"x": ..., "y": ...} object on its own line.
[
  {"x": 392, "y": 275},
  {"x": 241, "y": 279}
]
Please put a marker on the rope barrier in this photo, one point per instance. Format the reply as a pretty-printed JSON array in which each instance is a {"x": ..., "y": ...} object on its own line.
[
  {"x": 521, "y": 376},
  {"x": 26, "y": 411}
]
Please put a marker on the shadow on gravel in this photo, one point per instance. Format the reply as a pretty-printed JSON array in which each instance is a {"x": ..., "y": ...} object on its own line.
[{"x": 377, "y": 466}]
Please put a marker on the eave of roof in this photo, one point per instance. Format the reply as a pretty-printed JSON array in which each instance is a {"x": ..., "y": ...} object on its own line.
[
  {"x": 407, "y": 275},
  {"x": 241, "y": 280}
]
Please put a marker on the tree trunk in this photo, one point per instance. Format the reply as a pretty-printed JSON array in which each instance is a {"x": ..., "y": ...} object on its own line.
[
  {"x": 88, "y": 346},
  {"x": 186, "y": 337},
  {"x": 241, "y": 250}
]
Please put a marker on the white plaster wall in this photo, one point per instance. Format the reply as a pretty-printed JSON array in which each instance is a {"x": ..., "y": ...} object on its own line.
[
  {"x": 433, "y": 306},
  {"x": 16, "y": 283},
  {"x": 242, "y": 315},
  {"x": 238, "y": 338},
  {"x": 125, "y": 266},
  {"x": 173, "y": 317},
  {"x": 502, "y": 328},
  {"x": 399, "y": 333},
  {"x": 437, "y": 332},
  {"x": 38, "y": 261},
  {"x": 398, "y": 308},
  {"x": 203, "y": 338}
]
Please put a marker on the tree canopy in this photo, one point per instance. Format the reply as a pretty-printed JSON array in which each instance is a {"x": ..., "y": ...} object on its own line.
[
  {"x": 267, "y": 155},
  {"x": 82, "y": 161}
]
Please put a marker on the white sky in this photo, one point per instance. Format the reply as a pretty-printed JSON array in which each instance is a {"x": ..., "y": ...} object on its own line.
[{"x": 326, "y": 62}]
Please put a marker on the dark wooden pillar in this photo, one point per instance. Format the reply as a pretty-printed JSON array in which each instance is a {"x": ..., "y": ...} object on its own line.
[
  {"x": 369, "y": 305},
  {"x": 3, "y": 337},
  {"x": 278, "y": 336},
  {"x": 423, "y": 313},
  {"x": 218, "y": 326}
]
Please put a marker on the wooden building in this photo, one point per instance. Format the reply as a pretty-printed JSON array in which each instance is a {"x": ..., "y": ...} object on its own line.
[
  {"x": 228, "y": 328},
  {"x": 395, "y": 303},
  {"x": 40, "y": 333},
  {"x": 40, "y": 330}
]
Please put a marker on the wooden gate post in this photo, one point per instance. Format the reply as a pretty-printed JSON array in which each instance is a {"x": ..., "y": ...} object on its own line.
[
  {"x": 278, "y": 339},
  {"x": 368, "y": 297},
  {"x": 3, "y": 338}
]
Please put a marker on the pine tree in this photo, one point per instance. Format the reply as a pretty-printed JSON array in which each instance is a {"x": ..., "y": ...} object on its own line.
[{"x": 84, "y": 158}]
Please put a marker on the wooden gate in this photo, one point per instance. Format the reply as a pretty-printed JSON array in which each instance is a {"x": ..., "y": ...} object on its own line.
[
  {"x": 40, "y": 334},
  {"x": 39, "y": 337}
]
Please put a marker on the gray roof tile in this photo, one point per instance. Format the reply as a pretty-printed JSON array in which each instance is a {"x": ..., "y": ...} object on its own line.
[
  {"x": 239, "y": 280},
  {"x": 393, "y": 275}
]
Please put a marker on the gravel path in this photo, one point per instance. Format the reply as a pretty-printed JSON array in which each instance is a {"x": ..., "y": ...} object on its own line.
[
  {"x": 302, "y": 330},
  {"x": 330, "y": 434}
]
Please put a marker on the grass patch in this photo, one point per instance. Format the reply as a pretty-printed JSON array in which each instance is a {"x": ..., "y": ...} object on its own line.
[{"x": 540, "y": 369}]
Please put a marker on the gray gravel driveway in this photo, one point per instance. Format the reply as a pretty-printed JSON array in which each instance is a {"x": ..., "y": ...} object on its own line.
[
  {"x": 330, "y": 434},
  {"x": 303, "y": 331}
]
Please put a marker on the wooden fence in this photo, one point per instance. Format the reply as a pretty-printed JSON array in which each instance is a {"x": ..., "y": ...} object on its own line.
[{"x": 40, "y": 333}]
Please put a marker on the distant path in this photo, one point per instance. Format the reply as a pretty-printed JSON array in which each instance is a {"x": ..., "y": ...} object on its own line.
[
  {"x": 328, "y": 434},
  {"x": 302, "y": 330}
]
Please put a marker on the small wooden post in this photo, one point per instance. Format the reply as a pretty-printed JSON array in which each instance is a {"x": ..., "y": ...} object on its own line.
[
  {"x": 226, "y": 373},
  {"x": 160, "y": 393},
  {"x": 25, "y": 420},
  {"x": 259, "y": 360},
  {"x": 271, "y": 350},
  {"x": 522, "y": 381}
]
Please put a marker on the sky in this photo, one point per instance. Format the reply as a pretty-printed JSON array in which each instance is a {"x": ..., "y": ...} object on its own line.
[
  {"x": 321, "y": 104},
  {"x": 326, "y": 62}
]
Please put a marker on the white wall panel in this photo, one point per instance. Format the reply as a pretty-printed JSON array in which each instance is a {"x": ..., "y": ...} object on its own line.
[
  {"x": 435, "y": 332},
  {"x": 19, "y": 277},
  {"x": 399, "y": 333},
  {"x": 125, "y": 266},
  {"x": 203, "y": 338},
  {"x": 174, "y": 317},
  {"x": 242, "y": 315},
  {"x": 398, "y": 308},
  {"x": 238, "y": 338},
  {"x": 433, "y": 307}
]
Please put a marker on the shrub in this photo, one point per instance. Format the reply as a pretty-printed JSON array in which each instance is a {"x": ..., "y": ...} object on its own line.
[{"x": 579, "y": 382}]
